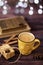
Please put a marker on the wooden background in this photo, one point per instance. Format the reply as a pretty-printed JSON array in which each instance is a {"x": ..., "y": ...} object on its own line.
[{"x": 36, "y": 23}]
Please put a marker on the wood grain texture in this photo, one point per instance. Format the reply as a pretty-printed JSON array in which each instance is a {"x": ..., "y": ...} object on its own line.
[
  {"x": 36, "y": 23},
  {"x": 28, "y": 60}
]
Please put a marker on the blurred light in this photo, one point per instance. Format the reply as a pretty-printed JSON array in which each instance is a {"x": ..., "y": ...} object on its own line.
[
  {"x": 40, "y": 6},
  {"x": 0, "y": 0},
  {"x": 4, "y": 7},
  {"x": 21, "y": 11},
  {"x": 25, "y": 5},
  {"x": 4, "y": 12},
  {"x": 16, "y": 11},
  {"x": 1, "y": 3},
  {"x": 20, "y": 4},
  {"x": 5, "y": 1},
  {"x": 36, "y": 1},
  {"x": 26, "y": 0},
  {"x": 30, "y": 12},
  {"x": 17, "y": 6},
  {"x": 31, "y": 8},
  {"x": 40, "y": 11},
  {"x": 21, "y": 0},
  {"x": 7, "y": 7},
  {"x": 31, "y": 1}
]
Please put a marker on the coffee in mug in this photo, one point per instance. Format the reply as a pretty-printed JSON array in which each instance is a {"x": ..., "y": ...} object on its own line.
[{"x": 26, "y": 43}]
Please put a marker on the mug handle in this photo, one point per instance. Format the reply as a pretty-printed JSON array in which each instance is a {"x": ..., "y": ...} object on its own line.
[{"x": 38, "y": 43}]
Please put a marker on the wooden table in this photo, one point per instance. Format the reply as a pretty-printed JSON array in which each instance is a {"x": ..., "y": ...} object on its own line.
[
  {"x": 30, "y": 60},
  {"x": 36, "y": 23}
]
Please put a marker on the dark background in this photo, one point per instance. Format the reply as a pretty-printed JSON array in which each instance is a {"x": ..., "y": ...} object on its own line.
[{"x": 36, "y": 23}]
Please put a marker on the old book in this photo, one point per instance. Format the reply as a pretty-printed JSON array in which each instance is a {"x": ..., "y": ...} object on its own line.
[{"x": 12, "y": 26}]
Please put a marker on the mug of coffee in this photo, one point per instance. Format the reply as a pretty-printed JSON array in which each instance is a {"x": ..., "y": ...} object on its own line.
[{"x": 27, "y": 43}]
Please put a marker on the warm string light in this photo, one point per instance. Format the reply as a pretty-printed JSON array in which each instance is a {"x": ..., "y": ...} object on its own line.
[
  {"x": 5, "y": 9},
  {"x": 22, "y": 11},
  {"x": 31, "y": 8},
  {"x": 23, "y": 0},
  {"x": 5, "y": 1},
  {"x": 22, "y": 4},
  {"x": 40, "y": 6},
  {"x": 36, "y": 1},
  {"x": 17, "y": 11},
  {"x": 40, "y": 11},
  {"x": 4, "y": 12},
  {"x": 5, "y": 6},
  {"x": 1, "y": 3},
  {"x": 31, "y": 11}
]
